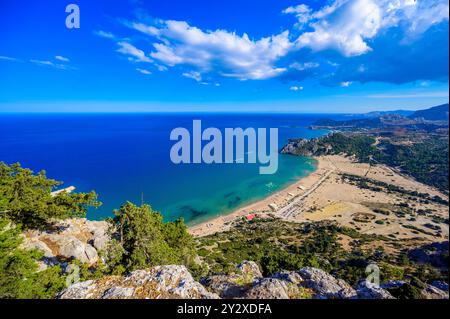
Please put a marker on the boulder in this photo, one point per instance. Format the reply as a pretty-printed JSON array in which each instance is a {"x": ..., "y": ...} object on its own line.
[
  {"x": 324, "y": 285},
  {"x": 368, "y": 290},
  {"x": 249, "y": 269},
  {"x": 80, "y": 290},
  {"x": 71, "y": 247},
  {"x": 442, "y": 285},
  {"x": 75, "y": 238},
  {"x": 118, "y": 293},
  {"x": 433, "y": 292},
  {"x": 289, "y": 276},
  {"x": 234, "y": 285},
  {"x": 161, "y": 282},
  {"x": 268, "y": 288},
  {"x": 225, "y": 286}
]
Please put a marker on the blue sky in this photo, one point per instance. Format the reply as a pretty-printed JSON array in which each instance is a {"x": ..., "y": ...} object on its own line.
[{"x": 272, "y": 55}]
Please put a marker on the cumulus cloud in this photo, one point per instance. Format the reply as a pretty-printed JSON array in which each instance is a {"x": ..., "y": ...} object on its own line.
[
  {"x": 296, "y": 88},
  {"x": 226, "y": 53},
  {"x": 343, "y": 42},
  {"x": 134, "y": 54},
  {"x": 348, "y": 25},
  {"x": 193, "y": 75}
]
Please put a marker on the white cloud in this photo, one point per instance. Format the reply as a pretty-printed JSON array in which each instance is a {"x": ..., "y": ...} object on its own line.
[
  {"x": 304, "y": 66},
  {"x": 302, "y": 12},
  {"x": 51, "y": 64},
  {"x": 296, "y": 88},
  {"x": 134, "y": 54},
  {"x": 61, "y": 58},
  {"x": 348, "y": 25},
  {"x": 7, "y": 58},
  {"x": 104, "y": 34},
  {"x": 193, "y": 75},
  {"x": 161, "y": 68},
  {"x": 343, "y": 27},
  {"x": 46, "y": 63},
  {"x": 443, "y": 94},
  {"x": 144, "y": 71},
  {"x": 226, "y": 53},
  {"x": 345, "y": 84}
]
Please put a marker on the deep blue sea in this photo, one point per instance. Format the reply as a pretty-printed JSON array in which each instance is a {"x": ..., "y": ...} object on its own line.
[{"x": 126, "y": 157}]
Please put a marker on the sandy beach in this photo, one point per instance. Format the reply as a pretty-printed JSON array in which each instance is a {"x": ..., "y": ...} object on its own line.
[
  {"x": 324, "y": 195},
  {"x": 277, "y": 201}
]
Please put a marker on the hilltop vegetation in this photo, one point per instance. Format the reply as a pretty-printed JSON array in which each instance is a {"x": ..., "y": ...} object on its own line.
[
  {"x": 425, "y": 158},
  {"x": 141, "y": 239},
  {"x": 278, "y": 245},
  {"x": 26, "y": 199},
  {"x": 357, "y": 145}
]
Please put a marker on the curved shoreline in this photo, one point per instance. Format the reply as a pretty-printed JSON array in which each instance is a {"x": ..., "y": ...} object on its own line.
[{"x": 277, "y": 200}]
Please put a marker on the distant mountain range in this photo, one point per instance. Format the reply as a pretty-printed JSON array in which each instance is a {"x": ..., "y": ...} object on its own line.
[
  {"x": 404, "y": 113},
  {"x": 436, "y": 113},
  {"x": 429, "y": 120}
]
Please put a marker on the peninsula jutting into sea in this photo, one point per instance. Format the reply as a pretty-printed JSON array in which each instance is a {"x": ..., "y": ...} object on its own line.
[{"x": 175, "y": 154}]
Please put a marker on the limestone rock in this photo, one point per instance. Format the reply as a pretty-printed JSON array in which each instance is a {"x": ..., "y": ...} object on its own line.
[
  {"x": 73, "y": 238},
  {"x": 324, "y": 285},
  {"x": 268, "y": 288},
  {"x": 72, "y": 247},
  {"x": 81, "y": 290},
  {"x": 118, "y": 293},
  {"x": 249, "y": 269},
  {"x": 432, "y": 292},
  {"x": 442, "y": 285},
  {"x": 161, "y": 282},
  {"x": 367, "y": 290},
  {"x": 224, "y": 286},
  {"x": 289, "y": 276}
]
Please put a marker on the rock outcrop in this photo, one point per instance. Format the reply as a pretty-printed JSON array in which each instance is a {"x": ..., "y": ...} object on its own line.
[
  {"x": 326, "y": 286},
  {"x": 307, "y": 147},
  {"x": 433, "y": 292},
  {"x": 75, "y": 238},
  {"x": 246, "y": 282},
  {"x": 366, "y": 290},
  {"x": 161, "y": 282}
]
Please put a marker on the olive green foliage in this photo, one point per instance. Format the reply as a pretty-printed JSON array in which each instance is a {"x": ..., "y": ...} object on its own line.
[
  {"x": 148, "y": 241},
  {"x": 360, "y": 146},
  {"x": 274, "y": 245},
  {"x": 25, "y": 198},
  {"x": 410, "y": 290},
  {"x": 424, "y": 156},
  {"x": 19, "y": 278},
  {"x": 426, "y": 160},
  {"x": 278, "y": 245}
]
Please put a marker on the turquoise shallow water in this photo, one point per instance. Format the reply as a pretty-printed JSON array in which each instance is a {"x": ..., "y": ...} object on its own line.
[{"x": 126, "y": 157}]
